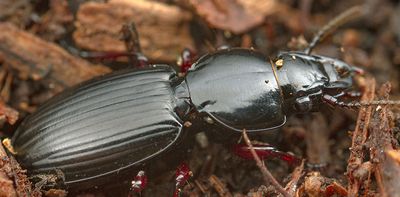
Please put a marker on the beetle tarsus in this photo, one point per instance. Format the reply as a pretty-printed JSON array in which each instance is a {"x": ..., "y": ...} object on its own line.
[{"x": 186, "y": 60}]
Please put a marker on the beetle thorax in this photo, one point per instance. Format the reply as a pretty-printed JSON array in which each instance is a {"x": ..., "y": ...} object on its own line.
[
  {"x": 302, "y": 81},
  {"x": 237, "y": 88}
]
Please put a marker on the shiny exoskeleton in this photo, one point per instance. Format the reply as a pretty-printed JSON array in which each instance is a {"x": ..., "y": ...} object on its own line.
[{"x": 111, "y": 127}]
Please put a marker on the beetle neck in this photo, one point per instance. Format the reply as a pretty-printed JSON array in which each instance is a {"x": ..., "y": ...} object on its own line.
[
  {"x": 287, "y": 90},
  {"x": 182, "y": 98}
]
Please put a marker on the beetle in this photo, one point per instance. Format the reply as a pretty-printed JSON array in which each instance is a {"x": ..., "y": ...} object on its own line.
[
  {"x": 110, "y": 127},
  {"x": 115, "y": 124}
]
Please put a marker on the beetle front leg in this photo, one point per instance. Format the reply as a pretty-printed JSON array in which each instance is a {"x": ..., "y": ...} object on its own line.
[
  {"x": 264, "y": 151},
  {"x": 350, "y": 94},
  {"x": 130, "y": 36},
  {"x": 334, "y": 101}
]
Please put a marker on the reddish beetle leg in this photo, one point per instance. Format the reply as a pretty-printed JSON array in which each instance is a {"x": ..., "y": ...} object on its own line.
[
  {"x": 139, "y": 182},
  {"x": 264, "y": 151},
  {"x": 182, "y": 175}
]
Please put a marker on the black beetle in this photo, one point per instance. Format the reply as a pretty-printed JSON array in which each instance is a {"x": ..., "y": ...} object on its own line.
[{"x": 114, "y": 125}]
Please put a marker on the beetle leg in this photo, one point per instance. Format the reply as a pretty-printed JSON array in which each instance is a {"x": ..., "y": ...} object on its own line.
[
  {"x": 131, "y": 39},
  {"x": 265, "y": 151},
  {"x": 348, "y": 94},
  {"x": 182, "y": 175},
  {"x": 130, "y": 36},
  {"x": 334, "y": 101},
  {"x": 139, "y": 182}
]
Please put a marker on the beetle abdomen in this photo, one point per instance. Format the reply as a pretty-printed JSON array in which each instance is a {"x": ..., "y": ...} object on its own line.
[{"x": 101, "y": 127}]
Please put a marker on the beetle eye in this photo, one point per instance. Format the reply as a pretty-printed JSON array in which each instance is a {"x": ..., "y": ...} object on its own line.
[{"x": 303, "y": 104}]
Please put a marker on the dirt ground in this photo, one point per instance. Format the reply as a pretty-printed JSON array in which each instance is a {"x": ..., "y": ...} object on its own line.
[{"x": 49, "y": 45}]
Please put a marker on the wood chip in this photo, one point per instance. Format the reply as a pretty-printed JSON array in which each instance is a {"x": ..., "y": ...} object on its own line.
[
  {"x": 40, "y": 60},
  {"x": 313, "y": 184},
  {"x": 335, "y": 189},
  {"x": 237, "y": 16},
  {"x": 163, "y": 29},
  {"x": 292, "y": 186},
  {"x": 219, "y": 186},
  {"x": 10, "y": 114}
]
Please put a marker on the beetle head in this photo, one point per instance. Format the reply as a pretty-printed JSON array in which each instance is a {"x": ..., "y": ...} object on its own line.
[{"x": 304, "y": 79}]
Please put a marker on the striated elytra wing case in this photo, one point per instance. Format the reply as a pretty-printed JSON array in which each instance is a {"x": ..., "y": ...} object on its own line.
[{"x": 108, "y": 127}]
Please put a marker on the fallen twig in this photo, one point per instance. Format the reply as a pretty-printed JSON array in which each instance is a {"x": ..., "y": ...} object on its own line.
[{"x": 268, "y": 178}]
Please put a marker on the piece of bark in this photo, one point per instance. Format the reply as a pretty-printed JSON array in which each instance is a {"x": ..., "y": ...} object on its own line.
[
  {"x": 389, "y": 173},
  {"x": 40, "y": 60},
  {"x": 240, "y": 16},
  {"x": 237, "y": 16},
  {"x": 358, "y": 139},
  {"x": 53, "y": 24},
  {"x": 313, "y": 184},
  {"x": 18, "y": 12},
  {"x": 8, "y": 114},
  {"x": 6, "y": 184},
  {"x": 335, "y": 189},
  {"x": 163, "y": 29},
  {"x": 381, "y": 140}
]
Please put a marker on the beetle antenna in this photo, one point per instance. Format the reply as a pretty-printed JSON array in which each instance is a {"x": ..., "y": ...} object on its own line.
[
  {"x": 371, "y": 103},
  {"x": 344, "y": 17},
  {"x": 334, "y": 101}
]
